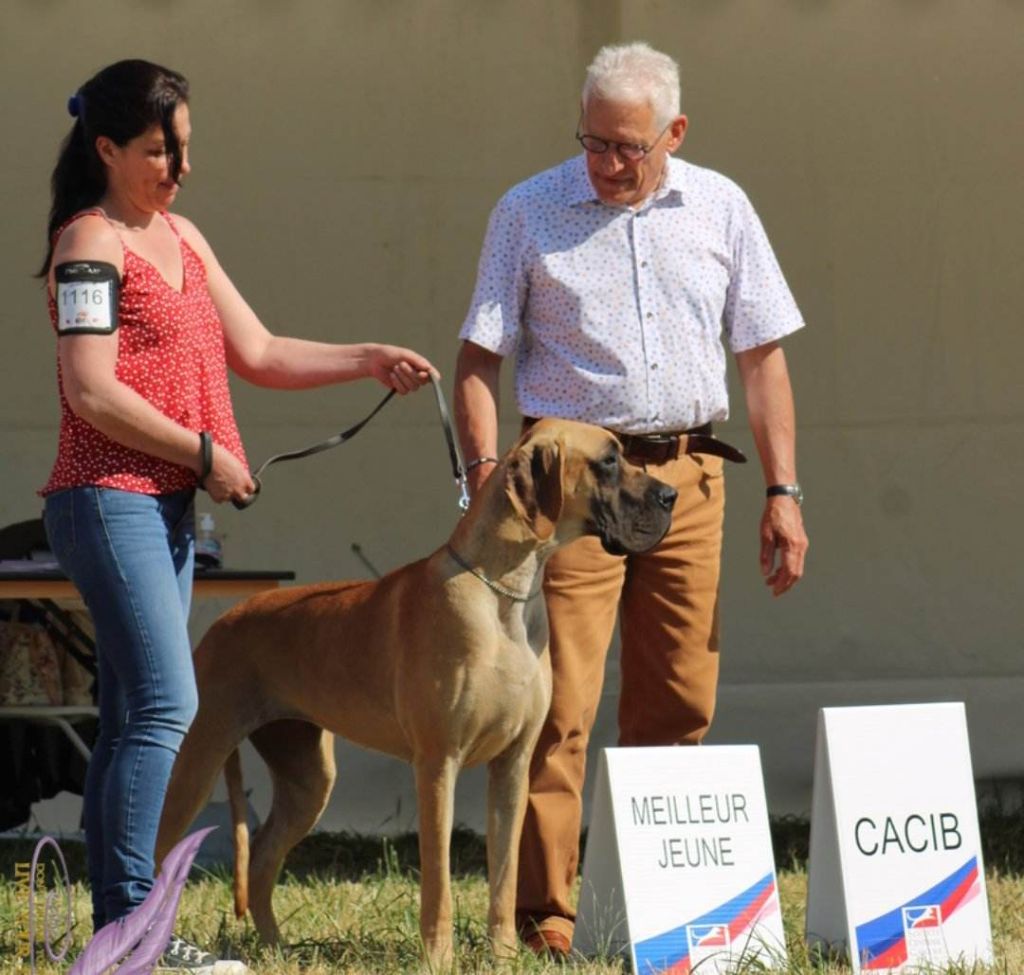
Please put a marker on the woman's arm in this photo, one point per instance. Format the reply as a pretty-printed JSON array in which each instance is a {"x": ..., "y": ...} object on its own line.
[
  {"x": 289, "y": 363},
  {"x": 95, "y": 393}
]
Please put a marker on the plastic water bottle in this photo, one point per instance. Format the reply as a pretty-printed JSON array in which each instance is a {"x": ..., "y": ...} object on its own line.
[{"x": 209, "y": 552}]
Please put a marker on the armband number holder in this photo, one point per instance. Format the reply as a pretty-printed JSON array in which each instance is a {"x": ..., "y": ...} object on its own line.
[{"x": 87, "y": 298}]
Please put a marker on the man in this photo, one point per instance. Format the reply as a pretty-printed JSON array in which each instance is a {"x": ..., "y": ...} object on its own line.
[{"x": 613, "y": 277}]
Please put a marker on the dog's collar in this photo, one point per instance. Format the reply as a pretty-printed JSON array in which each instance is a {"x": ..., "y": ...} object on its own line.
[{"x": 490, "y": 583}]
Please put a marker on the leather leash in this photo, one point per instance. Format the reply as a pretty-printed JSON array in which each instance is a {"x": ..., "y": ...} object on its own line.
[{"x": 454, "y": 454}]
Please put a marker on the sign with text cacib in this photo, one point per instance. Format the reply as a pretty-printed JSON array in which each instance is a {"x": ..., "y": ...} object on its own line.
[
  {"x": 895, "y": 872},
  {"x": 679, "y": 872}
]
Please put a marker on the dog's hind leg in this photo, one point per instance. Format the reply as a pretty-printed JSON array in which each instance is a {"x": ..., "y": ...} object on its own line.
[
  {"x": 212, "y": 737},
  {"x": 300, "y": 757}
]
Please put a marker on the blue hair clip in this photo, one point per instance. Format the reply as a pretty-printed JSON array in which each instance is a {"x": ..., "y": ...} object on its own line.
[{"x": 75, "y": 105}]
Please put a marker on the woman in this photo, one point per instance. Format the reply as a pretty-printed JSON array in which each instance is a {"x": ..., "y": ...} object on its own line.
[{"x": 147, "y": 323}]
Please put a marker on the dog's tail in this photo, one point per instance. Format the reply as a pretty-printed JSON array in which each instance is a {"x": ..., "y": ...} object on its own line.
[{"x": 240, "y": 831}]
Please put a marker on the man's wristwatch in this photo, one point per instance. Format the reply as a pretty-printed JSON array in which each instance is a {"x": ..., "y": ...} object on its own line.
[{"x": 792, "y": 490}]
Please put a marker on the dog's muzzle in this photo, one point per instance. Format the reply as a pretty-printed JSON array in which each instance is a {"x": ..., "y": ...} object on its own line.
[{"x": 638, "y": 523}]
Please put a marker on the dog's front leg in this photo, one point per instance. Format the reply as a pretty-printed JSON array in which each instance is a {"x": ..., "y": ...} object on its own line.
[
  {"x": 506, "y": 806},
  {"x": 435, "y": 794}
]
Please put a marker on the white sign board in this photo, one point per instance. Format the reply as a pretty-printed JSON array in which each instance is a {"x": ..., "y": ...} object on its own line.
[
  {"x": 679, "y": 870},
  {"x": 895, "y": 867}
]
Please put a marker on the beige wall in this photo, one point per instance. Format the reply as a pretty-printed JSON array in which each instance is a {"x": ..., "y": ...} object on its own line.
[{"x": 346, "y": 155}]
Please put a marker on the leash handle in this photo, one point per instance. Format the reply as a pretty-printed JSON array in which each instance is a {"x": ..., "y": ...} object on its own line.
[{"x": 244, "y": 503}]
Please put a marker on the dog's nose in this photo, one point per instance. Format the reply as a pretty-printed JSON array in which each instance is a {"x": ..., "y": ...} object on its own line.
[{"x": 665, "y": 496}]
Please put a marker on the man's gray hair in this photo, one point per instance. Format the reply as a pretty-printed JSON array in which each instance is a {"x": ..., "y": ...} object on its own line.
[{"x": 634, "y": 74}]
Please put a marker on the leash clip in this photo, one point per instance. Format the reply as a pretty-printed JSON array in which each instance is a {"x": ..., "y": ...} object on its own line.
[{"x": 463, "y": 486}]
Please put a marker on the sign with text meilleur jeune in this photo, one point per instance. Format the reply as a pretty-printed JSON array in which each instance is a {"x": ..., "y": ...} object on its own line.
[
  {"x": 679, "y": 871},
  {"x": 895, "y": 871}
]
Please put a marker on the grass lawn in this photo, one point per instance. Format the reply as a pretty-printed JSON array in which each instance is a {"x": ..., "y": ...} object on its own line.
[{"x": 350, "y": 904}]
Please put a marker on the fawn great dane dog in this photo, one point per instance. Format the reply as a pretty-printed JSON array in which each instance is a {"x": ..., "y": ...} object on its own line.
[{"x": 443, "y": 662}]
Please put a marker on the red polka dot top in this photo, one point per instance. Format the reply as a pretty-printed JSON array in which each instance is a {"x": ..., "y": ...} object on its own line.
[{"x": 171, "y": 351}]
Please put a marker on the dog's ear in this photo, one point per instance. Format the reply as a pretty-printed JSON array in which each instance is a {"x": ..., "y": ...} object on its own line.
[{"x": 534, "y": 486}]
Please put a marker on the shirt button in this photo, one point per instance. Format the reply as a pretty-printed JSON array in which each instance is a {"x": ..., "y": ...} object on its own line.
[
  {"x": 643, "y": 264},
  {"x": 654, "y": 365},
  {"x": 650, "y": 314}
]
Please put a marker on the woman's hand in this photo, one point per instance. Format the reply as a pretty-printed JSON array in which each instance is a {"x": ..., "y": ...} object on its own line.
[
  {"x": 228, "y": 478},
  {"x": 399, "y": 369}
]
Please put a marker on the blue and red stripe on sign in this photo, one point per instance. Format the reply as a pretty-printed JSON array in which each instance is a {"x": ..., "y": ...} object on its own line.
[
  {"x": 882, "y": 943},
  {"x": 670, "y": 952}
]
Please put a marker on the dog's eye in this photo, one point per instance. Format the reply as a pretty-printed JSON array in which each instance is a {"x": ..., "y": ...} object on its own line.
[{"x": 610, "y": 461}]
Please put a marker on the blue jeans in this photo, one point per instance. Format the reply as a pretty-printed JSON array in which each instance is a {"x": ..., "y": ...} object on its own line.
[{"x": 131, "y": 557}]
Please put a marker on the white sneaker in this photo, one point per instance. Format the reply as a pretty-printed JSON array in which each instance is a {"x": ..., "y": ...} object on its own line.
[{"x": 182, "y": 956}]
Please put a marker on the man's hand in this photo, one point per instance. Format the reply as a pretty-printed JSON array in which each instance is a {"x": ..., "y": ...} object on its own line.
[
  {"x": 783, "y": 544},
  {"x": 773, "y": 422}
]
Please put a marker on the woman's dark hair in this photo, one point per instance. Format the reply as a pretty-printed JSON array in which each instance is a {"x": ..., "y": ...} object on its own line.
[{"x": 121, "y": 102}]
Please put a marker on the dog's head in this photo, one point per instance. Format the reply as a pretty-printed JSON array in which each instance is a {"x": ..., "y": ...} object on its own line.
[{"x": 567, "y": 479}]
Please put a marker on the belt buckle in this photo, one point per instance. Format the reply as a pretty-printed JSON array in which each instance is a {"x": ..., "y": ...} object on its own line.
[
  {"x": 654, "y": 448},
  {"x": 671, "y": 444}
]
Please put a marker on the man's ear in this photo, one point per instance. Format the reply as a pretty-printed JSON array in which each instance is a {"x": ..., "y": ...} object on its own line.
[
  {"x": 534, "y": 485},
  {"x": 677, "y": 132}
]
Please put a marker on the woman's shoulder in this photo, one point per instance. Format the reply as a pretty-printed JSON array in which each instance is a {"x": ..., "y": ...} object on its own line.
[
  {"x": 188, "y": 231},
  {"x": 88, "y": 229},
  {"x": 190, "y": 234},
  {"x": 88, "y": 236}
]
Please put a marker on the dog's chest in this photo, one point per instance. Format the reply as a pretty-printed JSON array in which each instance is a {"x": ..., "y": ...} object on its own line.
[
  {"x": 510, "y": 662},
  {"x": 506, "y": 693},
  {"x": 526, "y": 626},
  {"x": 504, "y": 678}
]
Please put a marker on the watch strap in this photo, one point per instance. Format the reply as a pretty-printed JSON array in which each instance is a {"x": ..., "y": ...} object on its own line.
[
  {"x": 205, "y": 456},
  {"x": 788, "y": 490}
]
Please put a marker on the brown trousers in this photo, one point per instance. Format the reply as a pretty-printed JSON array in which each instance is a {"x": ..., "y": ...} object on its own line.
[{"x": 668, "y": 604}]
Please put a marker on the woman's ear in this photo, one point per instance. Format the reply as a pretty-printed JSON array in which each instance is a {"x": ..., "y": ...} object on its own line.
[{"x": 106, "y": 149}]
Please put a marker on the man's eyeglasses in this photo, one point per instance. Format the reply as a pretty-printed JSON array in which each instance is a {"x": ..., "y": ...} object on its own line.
[{"x": 630, "y": 151}]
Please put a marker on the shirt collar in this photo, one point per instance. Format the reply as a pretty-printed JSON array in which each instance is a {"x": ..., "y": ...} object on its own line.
[{"x": 579, "y": 189}]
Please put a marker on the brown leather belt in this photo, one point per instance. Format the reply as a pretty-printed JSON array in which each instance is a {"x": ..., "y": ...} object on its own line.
[{"x": 659, "y": 448}]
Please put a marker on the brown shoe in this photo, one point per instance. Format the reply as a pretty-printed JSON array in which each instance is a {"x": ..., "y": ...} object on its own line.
[{"x": 548, "y": 944}]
